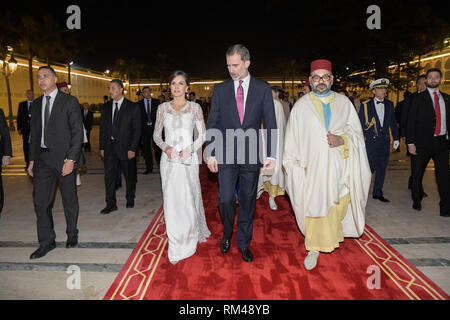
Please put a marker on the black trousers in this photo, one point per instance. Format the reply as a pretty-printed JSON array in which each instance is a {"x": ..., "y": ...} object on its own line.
[
  {"x": 26, "y": 146},
  {"x": 129, "y": 169},
  {"x": 438, "y": 151},
  {"x": 248, "y": 183},
  {"x": 44, "y": 185},
  {"x": 87, "y": 145},
  {"x": 146, "y": 141}
]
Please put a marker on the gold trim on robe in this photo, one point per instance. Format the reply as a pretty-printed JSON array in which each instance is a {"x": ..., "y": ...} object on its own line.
[{"x": 324, "y": 234}]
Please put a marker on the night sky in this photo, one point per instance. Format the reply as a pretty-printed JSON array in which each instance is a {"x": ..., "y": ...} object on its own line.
[{"x": 195, "y": 35}]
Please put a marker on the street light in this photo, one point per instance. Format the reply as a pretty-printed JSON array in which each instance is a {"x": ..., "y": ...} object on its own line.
[
  {"x": 8, "y": 68},
  {"x": 68, "y": 75}
]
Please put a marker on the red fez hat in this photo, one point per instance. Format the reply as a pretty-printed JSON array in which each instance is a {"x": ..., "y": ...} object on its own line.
[
  {"x": 61, "y": 85},
  {"x": 321, "y": 64}
]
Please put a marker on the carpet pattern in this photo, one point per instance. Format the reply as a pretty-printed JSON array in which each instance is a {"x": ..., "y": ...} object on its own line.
[{"x": 360, "y": 269}]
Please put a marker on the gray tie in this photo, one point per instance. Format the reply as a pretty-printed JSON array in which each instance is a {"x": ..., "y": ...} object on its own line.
[{"x": 46, "y": 114}]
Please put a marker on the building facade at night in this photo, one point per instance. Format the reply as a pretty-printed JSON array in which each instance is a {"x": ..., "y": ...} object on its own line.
[{"x": 90, "y": 86}]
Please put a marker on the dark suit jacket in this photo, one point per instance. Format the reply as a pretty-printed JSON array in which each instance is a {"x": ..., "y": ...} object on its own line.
[
  {"x": 128, "y": 132},
  {"x": 373, "y": 133},
  {"x": 154, "y": 107},
  {"x": 422, "y": 119},
  {"x": 5, "y": 138},
  {"x": 404, "y": 114},
  {"x": 23, "y": 119},
  {"x": 64, "y": 134},
  {"x": 224, "y": 115},
  {"x": 88, "y": 120}
]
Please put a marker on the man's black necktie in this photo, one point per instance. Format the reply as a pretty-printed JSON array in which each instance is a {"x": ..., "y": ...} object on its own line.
[
  {"x": 149, "y": 120},
  {"x": 380, "y": 102},
  {"x": 115, "y": 113},
  {"x": 46, "y": 115}
]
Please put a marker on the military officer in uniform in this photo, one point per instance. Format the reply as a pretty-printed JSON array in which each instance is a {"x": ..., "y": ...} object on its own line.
[{"x": 377, "y": 116}]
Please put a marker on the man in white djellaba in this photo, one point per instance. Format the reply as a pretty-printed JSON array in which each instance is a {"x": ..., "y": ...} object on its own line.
[{"x": 327, "y": 171}]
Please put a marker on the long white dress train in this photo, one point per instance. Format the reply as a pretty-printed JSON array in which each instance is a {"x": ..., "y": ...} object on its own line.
[{"x": 183, "y": 206}]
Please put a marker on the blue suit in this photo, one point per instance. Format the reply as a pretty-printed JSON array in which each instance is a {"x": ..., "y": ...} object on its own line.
[
  {"x": 224, "y": 116},
  {"x": 378, "y": 139}
]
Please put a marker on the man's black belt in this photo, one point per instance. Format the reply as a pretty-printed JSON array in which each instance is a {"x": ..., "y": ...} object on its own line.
[{"x": 45, "y": 149}]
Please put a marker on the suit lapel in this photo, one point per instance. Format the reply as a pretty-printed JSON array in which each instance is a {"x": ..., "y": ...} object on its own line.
[
  {"x": 375, "y": 113},
  {"x": 38, "y": 106},
  {"x": 55, "y": 107},
  {"x": 121, "y": 112},
  {"x": 233, "y": 103},
  {"x": 248, "y": 102},
  {"x": 385, "y": 114}
]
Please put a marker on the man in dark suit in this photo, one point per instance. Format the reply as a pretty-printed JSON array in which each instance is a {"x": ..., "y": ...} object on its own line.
[
  {"x": 88, "y": 120},
  {"x": 120, "y": 132},
  {"x": 55, "y": 154},
  {"x": 421, "y": 86},
  {"x": 399, "y": 109},
  {"x": 427, "y": 138},
  {"x": 377, "y": 116},
  {"x": 148, "y": 107},
  {"x": 5, "y": 152},
  {"x": 23, "y": 124},
  {"x": 238, "y": 106}
]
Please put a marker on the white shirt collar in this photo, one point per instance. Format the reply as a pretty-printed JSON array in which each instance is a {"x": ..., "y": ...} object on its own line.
[
  {"x": 376, "y": 99},
  {"x": 431, "y": 91},
  {"x": 118, "y": 102},
  {"x": 245, "y": 81},
  {"x": 52, "y": 94}
]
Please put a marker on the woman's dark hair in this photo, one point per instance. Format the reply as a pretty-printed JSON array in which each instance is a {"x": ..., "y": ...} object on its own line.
[
  {"x": 279, "y": 91},
  {"x": 177, "y": 73}
]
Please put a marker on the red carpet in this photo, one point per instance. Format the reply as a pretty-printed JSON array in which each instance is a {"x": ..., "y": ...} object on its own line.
[{"x": 277, "y": 272}]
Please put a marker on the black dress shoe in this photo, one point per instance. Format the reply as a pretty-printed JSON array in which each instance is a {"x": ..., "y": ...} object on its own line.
[
  {"x": 381, "y": 198},
  {"x": 425, "y": 195},
  {"x": 72, "y": 242},
  {"x": 247, "y": 256},
  {"x": 118, "y": 186},
  {"x": 417, "y": 206},
  {"x": 445, "y": 214},
  {"x": 108, "y": 210},
  {"x": 225, "y": 245},
  {"x": 130, "y": 204},
  {"x": 147, "y": 171},
  {"x": 42, "y": 251}
]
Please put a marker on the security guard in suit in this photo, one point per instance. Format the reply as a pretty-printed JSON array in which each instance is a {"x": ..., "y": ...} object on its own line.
[{"x": 377, "y": 116}]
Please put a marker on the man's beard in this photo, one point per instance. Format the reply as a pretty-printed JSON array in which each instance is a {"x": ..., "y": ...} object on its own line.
[
  {"x": 318, "y": 91},
  {"x": 238, "y": 77},
  {"x": 433, "y": 86}
]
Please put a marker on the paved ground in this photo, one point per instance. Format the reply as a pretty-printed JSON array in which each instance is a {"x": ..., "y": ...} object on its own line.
[{"x": 107, "y": 241}]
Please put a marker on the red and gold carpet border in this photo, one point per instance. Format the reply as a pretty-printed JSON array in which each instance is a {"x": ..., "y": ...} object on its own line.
[
  {"x": 150, "y": 248},
  {"x": 398, "y": 269},
  {"x": 134, "y": 279}
]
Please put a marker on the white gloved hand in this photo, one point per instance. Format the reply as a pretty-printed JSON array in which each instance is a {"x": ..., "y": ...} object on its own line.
[{"x": 396, "y": 144}]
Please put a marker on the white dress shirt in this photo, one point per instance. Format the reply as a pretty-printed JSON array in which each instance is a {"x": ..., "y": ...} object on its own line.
[
  {"x": 44, "y": 102},
  {"x": 245, "y": 85},
  {"x": 119, "y": 103},
  {"x": 441, "y": 107},
  {"x": 379, "y": 107}
]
